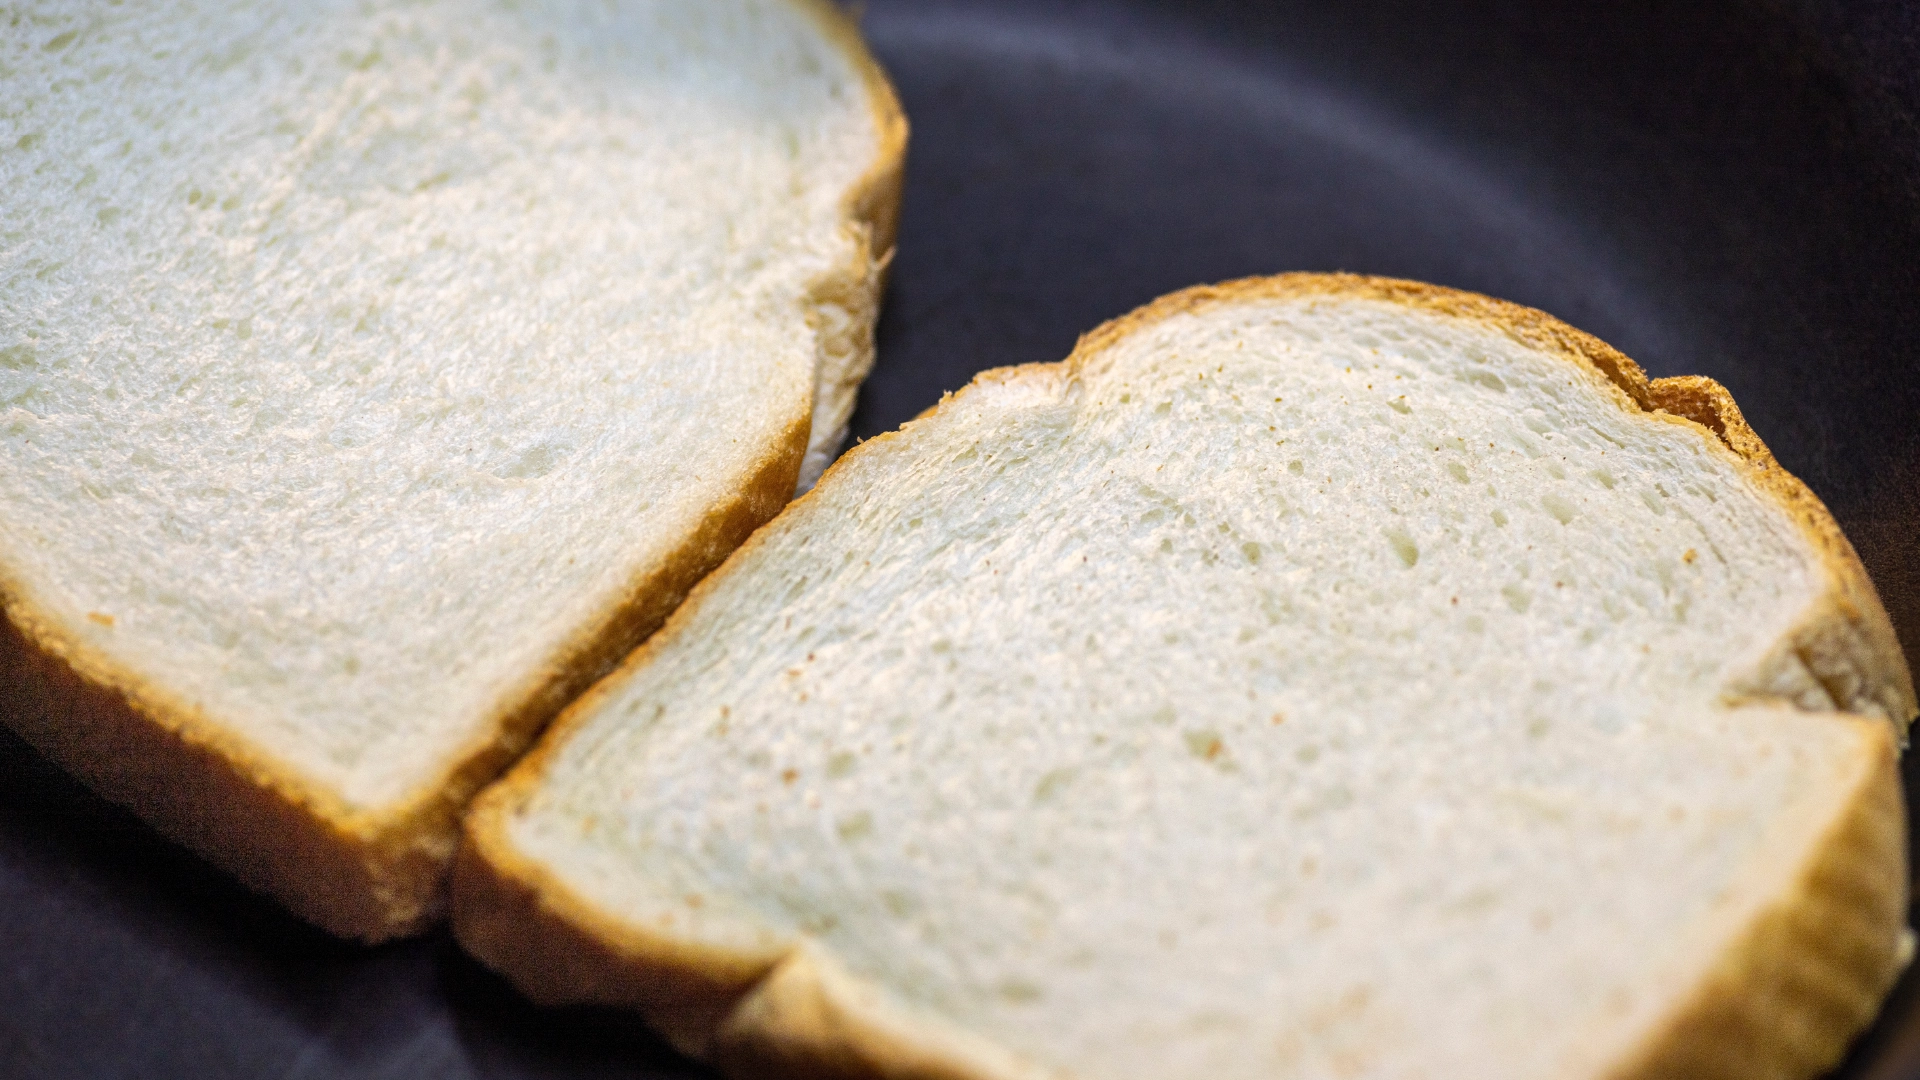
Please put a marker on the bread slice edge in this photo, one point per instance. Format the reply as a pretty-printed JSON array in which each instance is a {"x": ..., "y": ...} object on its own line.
[{"x": 382, "y": 873}]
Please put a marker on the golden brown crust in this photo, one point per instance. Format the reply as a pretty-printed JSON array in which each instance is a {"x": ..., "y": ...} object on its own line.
[
  {"x": 773, "y": 1016},
  {"x": 383, "y": 874},
  {"x": 1811, "y": 970}
]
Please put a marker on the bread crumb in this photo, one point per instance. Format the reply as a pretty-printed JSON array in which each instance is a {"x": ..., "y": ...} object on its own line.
[{"x": 1205, "y": 745}]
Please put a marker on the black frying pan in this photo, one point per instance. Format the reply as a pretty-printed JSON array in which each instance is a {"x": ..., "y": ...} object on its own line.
[{"x": 1727, "y": 187}]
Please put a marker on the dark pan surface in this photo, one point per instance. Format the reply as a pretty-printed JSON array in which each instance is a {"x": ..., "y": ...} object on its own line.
[{"x": 1728, "y": 188}]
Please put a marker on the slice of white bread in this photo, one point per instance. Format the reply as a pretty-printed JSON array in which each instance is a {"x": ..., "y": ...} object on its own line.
[
  {"x": 1315, "y": 676},
  {"x": 373, "y": 376}
]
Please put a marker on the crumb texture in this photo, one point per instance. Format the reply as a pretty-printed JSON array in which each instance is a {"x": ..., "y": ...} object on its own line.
[
  {"x": 355, "y": 358},
  {"x": 1297, "y": 688}
]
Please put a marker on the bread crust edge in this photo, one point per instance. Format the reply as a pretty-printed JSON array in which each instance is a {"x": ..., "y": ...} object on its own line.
[
  {"x": 777, "y": 1015},
  {"x": 380, "y": 874}
]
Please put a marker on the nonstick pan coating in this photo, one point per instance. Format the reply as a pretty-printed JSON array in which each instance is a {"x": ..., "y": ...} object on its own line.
[{"x": 1717, "y": 187}]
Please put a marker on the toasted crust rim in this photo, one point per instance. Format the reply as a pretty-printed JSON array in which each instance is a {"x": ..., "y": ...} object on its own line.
[
  {"x": 380, "y": 874},
  {"x": 520, "y": 918}
]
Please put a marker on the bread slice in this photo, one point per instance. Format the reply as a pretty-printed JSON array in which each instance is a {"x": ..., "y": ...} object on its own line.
[
  {"x": 1312, "y": 676},
  {"x": 374, "y": 376}
]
